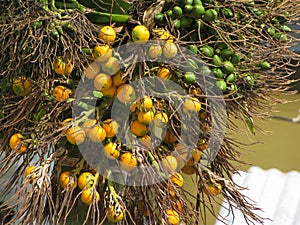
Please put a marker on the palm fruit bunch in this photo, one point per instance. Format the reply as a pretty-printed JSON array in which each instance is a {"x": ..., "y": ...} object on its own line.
[{"x": 120, "y": 112}]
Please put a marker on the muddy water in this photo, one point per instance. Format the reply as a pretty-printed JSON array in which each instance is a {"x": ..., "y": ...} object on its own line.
[{"x": 278, "y": 148}]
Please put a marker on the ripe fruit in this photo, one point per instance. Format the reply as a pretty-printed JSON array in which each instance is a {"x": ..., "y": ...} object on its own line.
[
  {"x": 15, "y": 143},
  {"x": 21, "y": 86},
  {"x": 138, "y": 129},
  {"x": 115, "y": 213},
  {"x": 59, "y": 65},
  {"x": 88, "y": 125},
  {"x": 102, "y": 53},
  {"x": 125, "y": 93},
  {"x": 68, "y": 68},
  {"x": 195, "y": 158},
  {"x": 145, "y": 117},
  {"x": 107, "y": 34},
  {"x": 165, "y": 73},
  {"x": 128, "y": 161},
  {"x": 170, "y": 50},
  {"x": 110, "y": 91},
  {"x": 177, "y": 205},
  {"x": 92, "y": 70},
  {"x": 191, "y": 105},
  {"x": 102, "y": 82},
  {"x": 154, "y": 51},
  {"x": 75, "y": 135},
  {"x": 66, "y": 179},
  {"x": 85, "y": 179},
  {"x": 145, "y": 104},
  {"x": 97, "y": 134},
  {"x": 170, "y": 163},
  {"x": 111, "y": 66},
  {"x": 173, "y": 217},
  {"x": 61, "y": 93},
  {"x": 212, "y": 189},
  {"x": 111, "y": 150},
  {"x": 160, "y": 119},
  {"x": 29, "y": 173},
  {"x": 140, "y": 34},
  {"x": 87, "y": 196},
  {"x": 111, "y": 127},
  {"x": 117, "y": 79},
  {"x": 177, "y": 179}
]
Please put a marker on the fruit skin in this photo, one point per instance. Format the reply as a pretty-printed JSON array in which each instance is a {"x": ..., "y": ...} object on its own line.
[
  {"x": 177, "y": 179},
  {"x": 75, "y": 135},
  {"x": 111, "y": 66},
  {"x": 21, "y": 86},
  {"x": 88, "y": 125},
  {"x": 61, "y": 93},
  {"x": 125, "y": 93},
  {"x": 97, "y": 134},
  {"x": 222, "y": 85},
  {"x": 265, "y": 65},
  {"x": 160, "y": 119},
  {"x": 115, "y": 214},
  {"x": 28, "y": 173},
  {"x": 92, "y": 70},
  {"x": 140, "y": 34},
  {"x": 170, "y": 50},
  {"x": 145, "y": 104},
  {"x": 145, "y": 117},
  {"x": 210, "y": 15},
  {"x": 117, "y": 79},
  {"x": 107, "y": 34},
  {"x": 87, "y": 196},
  {"x": 164, "y": 73},
  {"x": 189, "y": 77},
  {"x": 191, "y": 105},
  {"x": 66, "y": 179},
  {"x": 173, "y": 217},
  {"x": 59, "y": 65},
  {"x": 177, "y": 12},
  {"x": 198, "y": 11},
  {"x": 228, "y": 67},
  {"x": 111, "y": 151},
  {"x": 68, "y": 68},
  {"x": 208, "y": 51},
  {"x": 85, "y": 179},
  {"x": 170, "y": 163},
  {"x": 195, "y": 158},
  {"x": 212, "y": 189},
  {"x": 102, "y": 82},
  {"x": 101, "y": 53},
  {"x": 155, "y": 51},
  {"x": 110, "y": 91},
  {"x": 138, "y": 129},
  {"x": 14, "y": 142},
  {"x": 128, "y": 161},
  {"x": 111, "y": 127}
]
